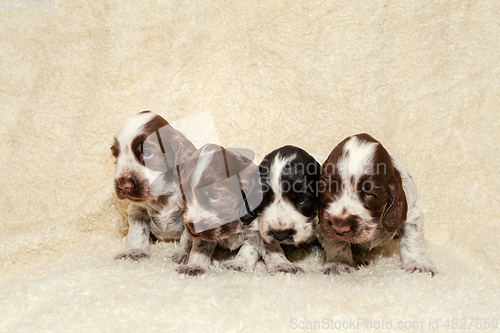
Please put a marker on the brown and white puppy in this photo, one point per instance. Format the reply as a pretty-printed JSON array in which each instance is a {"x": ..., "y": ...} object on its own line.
[
  {"x": 367, "y": 198},
  {"x": 147, "y": 147},
  {"x": 219, "y": 188}
]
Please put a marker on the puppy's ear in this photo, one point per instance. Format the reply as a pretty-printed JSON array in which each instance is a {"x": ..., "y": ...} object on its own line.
[
  {"x": 248, "y": 218},
  {"x": 176, "y": 147},
  {"x": 182, "y": 147},
  {"x": 394, "y": 215},
  {"x": 251, "y": 189}
]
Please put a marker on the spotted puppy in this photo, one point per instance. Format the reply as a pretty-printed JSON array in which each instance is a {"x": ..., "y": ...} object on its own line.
[
  {"x": 367, "y": 198},
  {"x": 288, "y": 212},
  {"x": 219, "y": 187},
  {"x": 147, "y": 147}
]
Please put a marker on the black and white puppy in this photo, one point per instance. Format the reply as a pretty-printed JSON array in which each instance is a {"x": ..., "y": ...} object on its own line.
[
  {"x": 147, "y": 147},
  {"x": 367, "y": 198},
  {"x": 219, "y": 187},
  {"x": 288, "y": 212}
]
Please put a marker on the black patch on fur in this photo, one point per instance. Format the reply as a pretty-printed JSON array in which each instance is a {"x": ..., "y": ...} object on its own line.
[{"x": 299, "y": 180}]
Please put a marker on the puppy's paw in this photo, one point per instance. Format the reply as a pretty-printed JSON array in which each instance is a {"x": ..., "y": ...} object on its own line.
[
  {"x": 181, "y": 257},
  {"x": 285, "y": 268},
  {"x": 360, "y": 261},
  {"x": 420, "y": 267},
  {"x": 191, "y": 270},
  {"x": 134, "y": 254},
  {"x": 334, "y": 268},
  {"x": 239, "y": 265}
]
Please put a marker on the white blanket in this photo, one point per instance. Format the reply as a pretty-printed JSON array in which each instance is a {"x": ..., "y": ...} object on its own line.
[{"x": 420, "y": 76}]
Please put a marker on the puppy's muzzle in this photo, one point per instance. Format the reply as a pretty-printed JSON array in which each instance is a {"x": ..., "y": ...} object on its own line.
[
  {"x": 282, "y": 234},
  {"x": 125, "y": 184},
  {"x": 342, "y": 226}
]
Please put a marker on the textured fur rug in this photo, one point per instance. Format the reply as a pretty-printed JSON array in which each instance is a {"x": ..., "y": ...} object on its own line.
[{"x": 420, "y": 76}]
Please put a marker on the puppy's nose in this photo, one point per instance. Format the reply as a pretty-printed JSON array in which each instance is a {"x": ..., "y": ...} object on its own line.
[
  {"x": 125, "y": 184},
  {"x": 282, "y": 234},
  {"x": 341, "y": 229}
]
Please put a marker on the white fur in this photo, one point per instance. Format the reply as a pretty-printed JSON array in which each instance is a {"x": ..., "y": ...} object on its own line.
[
  {"x": 197, "y": 214},
  {"x": 277, "y": 167},
  {"x": 355, "y": 162},
  {"x": 281, "y": 215},
  {"x": 127, "y": 161},
  {"x": 160, "y": 215},
  {"x": 204, "y": 160},
  {"x": 203, "y": 219},
  {"x": 357, "y": 159}
]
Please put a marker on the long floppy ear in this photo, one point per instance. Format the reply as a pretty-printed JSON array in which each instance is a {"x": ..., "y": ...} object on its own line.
[
  {"x": 251, "y": 189},
  {"x": 174, "y": 145},
  {"x": 182, "y": 147},
  {"x": 394, "y": 215}
]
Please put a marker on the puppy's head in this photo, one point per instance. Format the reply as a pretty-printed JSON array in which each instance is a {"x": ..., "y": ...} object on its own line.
[
  {"x": 361, "y": 191},
  {"x": 287, "y": 214},
  {"x": 145, "y": 147},
  {"x": 219, "y": 188}
]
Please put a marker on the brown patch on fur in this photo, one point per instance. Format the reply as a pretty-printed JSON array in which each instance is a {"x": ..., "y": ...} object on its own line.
[
  {"x": 223, "y": 165},
  {"x": 115, "y": 149},
  {"x": 330, "y": 183},
  {"x": 149, "y": 128},
  {"x": 215, "y": 234},
  {"x": 394, "y": 215},
  {"x": 155, "y": 124},
  {"x": 380, "y": 192},
  {"x": 137, "y": 192},
  {"x": 329, "y": 167}
]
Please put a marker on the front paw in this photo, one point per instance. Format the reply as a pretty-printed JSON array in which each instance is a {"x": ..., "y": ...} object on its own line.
[
  {"x": 180, "y": 257},
  {"x": 190, "y": 270},
  {"x": 334, "y": 268},
  {"x": 420, "y": 267},
  {"x": 236, "y": 265},
  {"x": 360, "y": 261},
  {"x": 134, "y": 254},
  {"x": 285, "y": 268}
]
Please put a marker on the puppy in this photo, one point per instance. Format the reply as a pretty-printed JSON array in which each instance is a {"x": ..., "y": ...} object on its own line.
[
  {"x": 288, "y": 212},
  {"x": 147, "y": 147},
  {"x": 219, "y": 187},
  {"x": 367, "y": 198}
]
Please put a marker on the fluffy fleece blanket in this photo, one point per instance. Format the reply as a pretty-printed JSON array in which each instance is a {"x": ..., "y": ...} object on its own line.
[{"x": 420, "y": 76}]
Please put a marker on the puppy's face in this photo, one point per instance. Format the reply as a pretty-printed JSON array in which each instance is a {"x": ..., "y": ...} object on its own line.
[
  {"x": 360, "y": 191},
  {"x": 288, "y": 211},
  {"x": 145, "y": 147},
  {"x": 212, "y": 183}
]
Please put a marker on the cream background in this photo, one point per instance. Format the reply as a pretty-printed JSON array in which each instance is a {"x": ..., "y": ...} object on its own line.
[{"x": 420, "y": 76}]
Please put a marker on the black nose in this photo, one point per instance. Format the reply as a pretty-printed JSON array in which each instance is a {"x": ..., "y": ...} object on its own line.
[{"x": 280, "y": 235}]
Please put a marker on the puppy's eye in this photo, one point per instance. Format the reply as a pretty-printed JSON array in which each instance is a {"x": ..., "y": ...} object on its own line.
[
  {"x": 147, "y": 153},
  {"x": 367, "y": 188},
  {"x": 302, "y": 201},
  {"x": 214, "y": 197}
]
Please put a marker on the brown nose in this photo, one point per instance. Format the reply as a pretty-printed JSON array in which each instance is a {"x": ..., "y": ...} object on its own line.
[
  {"x": 343, "y": 226},
  {"x": 125, "y": 184},
  {"x": 341, "y": 229}
]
